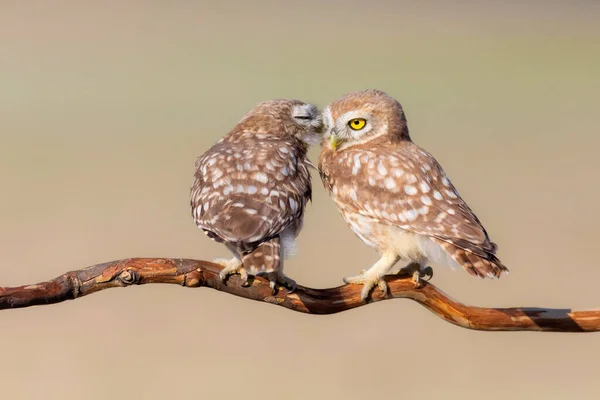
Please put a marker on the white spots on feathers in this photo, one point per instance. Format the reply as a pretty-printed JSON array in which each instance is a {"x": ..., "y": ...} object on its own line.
[
  {"x": 261, "y": 177},
  {"x": 437, "y": 195},
  {"x": 381, "y": 168},
  {"x": 390, "y": 183},
  {"x": 410, "y": 215},
  {"x": 397, "y": 172},
  {"x": 410, "y": 190},
  {"x": 451, "y": 194},
  {"x": 356, "y": 165},
  {"x": 293, "y": 205}
]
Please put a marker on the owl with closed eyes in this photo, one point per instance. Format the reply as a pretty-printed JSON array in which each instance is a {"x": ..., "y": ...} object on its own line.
[
  {"x": 395, "y": 196},
  {"x": 251, "y": 188}
]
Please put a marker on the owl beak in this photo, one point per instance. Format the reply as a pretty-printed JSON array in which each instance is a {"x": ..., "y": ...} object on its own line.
[{"x": 334, "y": 140}]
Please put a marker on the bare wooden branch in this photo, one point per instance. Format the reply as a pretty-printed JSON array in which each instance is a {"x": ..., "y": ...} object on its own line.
[{"x": 195, "y": 273}]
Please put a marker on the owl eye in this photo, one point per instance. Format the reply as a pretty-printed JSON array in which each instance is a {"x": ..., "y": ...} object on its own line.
[{"x": 357, "y": 123}]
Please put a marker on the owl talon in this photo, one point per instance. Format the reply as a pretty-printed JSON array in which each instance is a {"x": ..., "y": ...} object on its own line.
[
  {"x": 284, "y": 281},
  {"x": 383, "y": 286},
  {"x": 427, "y": 273},
  {"x": 232, "y": 266},
  {"x": 422, "y": 275},
  {"x": 368, "y": 283}
]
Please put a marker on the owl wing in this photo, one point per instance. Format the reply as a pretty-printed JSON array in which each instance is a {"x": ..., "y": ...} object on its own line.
[
  {"x": 247, "y": 192},
  {"x": 404, "y": 186}
]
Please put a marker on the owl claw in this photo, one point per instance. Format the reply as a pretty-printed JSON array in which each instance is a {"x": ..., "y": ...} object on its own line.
[
  {"x": 368, "y": 283},
  {"x": 284, "y": 281},
  {"x": 232, "y": 266},
  {"x": 422, "y": 275}
]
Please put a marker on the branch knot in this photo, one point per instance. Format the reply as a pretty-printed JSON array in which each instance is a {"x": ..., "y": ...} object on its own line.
[{"x": 129, "y": 277}]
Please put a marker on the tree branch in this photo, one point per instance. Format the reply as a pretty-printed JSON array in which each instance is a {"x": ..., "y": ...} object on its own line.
[{"x": 194, "y": 273}]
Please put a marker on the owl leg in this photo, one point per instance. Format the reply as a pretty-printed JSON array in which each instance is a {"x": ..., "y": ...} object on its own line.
[
  {"x": 232, "y": 266},
  {"x": 417, "y": 272},
  {"x": 374, "y": 275}
]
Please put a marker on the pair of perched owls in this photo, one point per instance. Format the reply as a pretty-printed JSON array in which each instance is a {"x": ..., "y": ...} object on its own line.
[{"x": 251, "y": 189}]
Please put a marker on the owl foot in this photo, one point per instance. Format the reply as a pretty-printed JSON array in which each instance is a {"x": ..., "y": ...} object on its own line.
[
  {"x": 418, "y": 273},
  {"x": 368, "y": 280},
  {"x": 284, "y": 281},
  {"x": 232, "y": 266}
]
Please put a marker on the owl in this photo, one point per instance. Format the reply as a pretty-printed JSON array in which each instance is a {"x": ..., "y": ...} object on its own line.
[
  {"x": 395, "y": 196},
  {"x": 251, "y": 188}
]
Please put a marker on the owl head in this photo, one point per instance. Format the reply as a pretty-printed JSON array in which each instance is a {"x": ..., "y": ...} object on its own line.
[
  {"x": 361, "y": 117},
  {"x": 284, "y": 117}
]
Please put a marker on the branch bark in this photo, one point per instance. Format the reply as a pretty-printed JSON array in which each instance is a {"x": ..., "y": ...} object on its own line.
[{"x": 196, "y": 273}]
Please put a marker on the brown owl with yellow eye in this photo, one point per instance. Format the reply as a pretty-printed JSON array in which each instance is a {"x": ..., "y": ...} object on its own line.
[{"x": 395, "y": 196}]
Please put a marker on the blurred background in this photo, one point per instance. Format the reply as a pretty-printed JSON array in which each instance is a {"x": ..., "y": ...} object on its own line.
[{"x": 104, "y": 107}]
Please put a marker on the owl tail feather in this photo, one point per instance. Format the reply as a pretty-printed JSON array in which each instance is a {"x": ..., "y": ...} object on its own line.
[
  {"x": 481, "y": 265},
  {"x": 265, "y": 258}
]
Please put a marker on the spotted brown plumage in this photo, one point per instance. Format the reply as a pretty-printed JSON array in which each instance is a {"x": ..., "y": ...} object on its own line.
[
  {"x": 394, "y": 195},
  {"x": 251, "y": 188}
]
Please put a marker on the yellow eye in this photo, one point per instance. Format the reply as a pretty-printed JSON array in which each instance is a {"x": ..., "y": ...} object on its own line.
[{"x": 357, "y": 123}]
